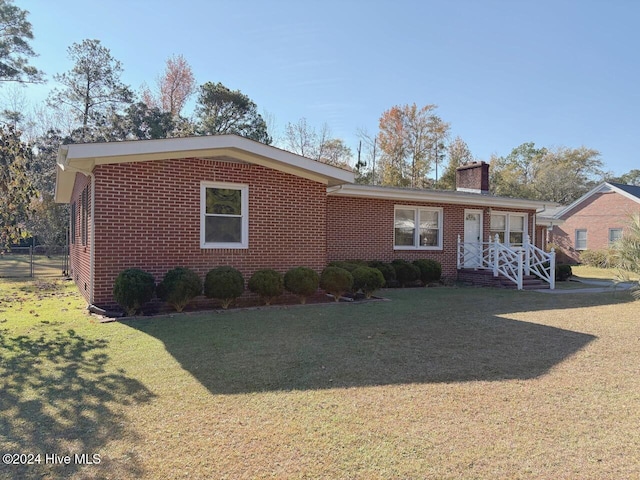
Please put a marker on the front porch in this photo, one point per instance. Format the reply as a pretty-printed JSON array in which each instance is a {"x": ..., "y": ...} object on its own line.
[{"x": 496, "y": 264}]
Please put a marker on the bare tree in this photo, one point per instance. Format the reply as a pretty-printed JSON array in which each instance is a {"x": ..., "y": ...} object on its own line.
[
  {"x": 173, "y": 88},
  {"x": 301, "y": 138}
]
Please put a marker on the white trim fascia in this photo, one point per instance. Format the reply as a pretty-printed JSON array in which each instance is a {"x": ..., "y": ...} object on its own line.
[
  {"x": 624, "y": 194},
  {"x": 548, "y": 221},
  {"x": 603, "y": 187},
  {"x": 436, "y": 196},
  {"x": 84, "y": 157}
]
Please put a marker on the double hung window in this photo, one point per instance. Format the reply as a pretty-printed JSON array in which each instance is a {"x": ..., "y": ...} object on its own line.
[{"x": 224, "y": 215}]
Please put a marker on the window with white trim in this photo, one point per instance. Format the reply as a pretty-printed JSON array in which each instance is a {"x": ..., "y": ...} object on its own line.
[
  {"x": 581, "y": 239},
  {"x": 511, "y": 228},
  {"x": 224, "y": 212},
  {"x": 615, "y": 234},
  {"x": 417, "y": 228}
]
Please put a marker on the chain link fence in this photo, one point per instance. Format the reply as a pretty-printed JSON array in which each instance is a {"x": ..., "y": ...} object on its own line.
[{"x": 38, "y": 261}]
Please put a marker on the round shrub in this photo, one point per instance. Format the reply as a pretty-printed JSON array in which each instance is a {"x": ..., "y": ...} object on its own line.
[
  {"x": 406, "y": 272},
  {"x": 267, "y": 283},
  {"x": 301, "y": 281},
  {"x": 349, "y": 265},
  {"x": 430, "y": 270},
  {"x": 563, "y": 272},
  {"x": 367, "y": 279},
  {"x": 387, "y": 270},
  {"x": 179, "y": 286},
  {"x": 132, "y": 289},
  {"x": 336, "y": 281},
  {"x": 224, "y": 284}
]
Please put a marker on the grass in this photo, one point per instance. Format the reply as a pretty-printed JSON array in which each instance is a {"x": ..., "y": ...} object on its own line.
[
  {"x": 595, "y": 273},
  {"x": 18, "y": 265},
  {"x": 437, "y": 383}
]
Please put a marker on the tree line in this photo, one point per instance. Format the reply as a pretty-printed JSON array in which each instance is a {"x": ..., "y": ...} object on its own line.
[{"x": 413, "y": 146}]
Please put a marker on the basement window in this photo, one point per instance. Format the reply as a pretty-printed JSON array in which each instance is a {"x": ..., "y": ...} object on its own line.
[{"x": 224, "y": 215}]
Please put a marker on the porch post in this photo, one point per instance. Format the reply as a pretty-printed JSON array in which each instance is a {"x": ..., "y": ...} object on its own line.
[
  {"x": 496, "y": 256},
  {"x": 552, "y": 269},
  {"x": 527, "y": 253},
  {"x": 458, "y": 253},
  {"x": 520, "y": 261}
]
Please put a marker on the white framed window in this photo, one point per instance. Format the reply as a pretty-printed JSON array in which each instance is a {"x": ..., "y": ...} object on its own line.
[
  {"x": 511, "y": 228},
  {"x": 417, "y": 228},
  {"x": 224, "y": 215},
  {"x": 581, "y": 239},
  {"x": 615, "y": 234}
]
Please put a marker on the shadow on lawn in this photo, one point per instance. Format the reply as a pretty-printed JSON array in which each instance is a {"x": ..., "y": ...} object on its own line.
[
  {"x": 456, "y": 339},
  {"x": 57, "y": 398}
]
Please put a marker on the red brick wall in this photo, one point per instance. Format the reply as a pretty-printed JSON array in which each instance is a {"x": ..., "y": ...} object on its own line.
[
  {"x": 148, "y": 216},
  {"x": 79, "y": 254},
  {"x": 362, "y": 229},
  {"x": 597, "y": 215}
]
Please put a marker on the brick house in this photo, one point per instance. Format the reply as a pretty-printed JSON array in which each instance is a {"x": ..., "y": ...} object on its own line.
[
  {"x": 202, "y": 202},
  {"x": 593, "y": 222}
]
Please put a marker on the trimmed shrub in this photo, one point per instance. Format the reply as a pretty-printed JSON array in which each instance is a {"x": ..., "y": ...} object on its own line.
[
  {"x": 387, "y": 270},
  {"x": 132, "y": 289},
  {"x": 430, "y": 270},
  {"x": 336, "y": 281},
  {"x": 267, "y": 283},
  {"x": 406, "y": 272},
  {"x": 367, "y": 279},
  {"x": 179, "y": 286},
  {"x": 349, "y": 266},
  {"x": 563, "y": 273},
  {"x": 302, "y": 281},
  {"x": 595, "y": 258},
  {"x": 224, "y": 284}
]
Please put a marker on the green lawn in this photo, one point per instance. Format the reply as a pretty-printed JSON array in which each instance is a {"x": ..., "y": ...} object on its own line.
[{"x": 436, "y": 383}]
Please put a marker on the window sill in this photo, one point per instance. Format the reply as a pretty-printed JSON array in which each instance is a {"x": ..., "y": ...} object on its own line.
[
  {"x": 224, "y": 246},
  {"x": 417, "y": 248}
]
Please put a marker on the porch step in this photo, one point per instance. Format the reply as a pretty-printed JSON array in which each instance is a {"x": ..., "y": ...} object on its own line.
[{"x": 486, "y": 278}]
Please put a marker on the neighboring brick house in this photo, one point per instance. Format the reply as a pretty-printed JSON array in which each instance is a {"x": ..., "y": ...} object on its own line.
[
  {"x": 201, "y": 202},
  {"x": 593, "y": 222}
]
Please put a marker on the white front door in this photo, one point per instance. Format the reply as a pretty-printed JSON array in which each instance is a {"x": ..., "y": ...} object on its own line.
[{"x": 472, "y": 238}]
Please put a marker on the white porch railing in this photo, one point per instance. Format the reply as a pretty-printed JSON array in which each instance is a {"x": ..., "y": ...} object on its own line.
[
  {"x": 512, "y": 263},
  {"x": 540, "y": 263}
]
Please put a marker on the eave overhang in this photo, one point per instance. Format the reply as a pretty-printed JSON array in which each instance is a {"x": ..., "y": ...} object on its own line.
[
  {"x": 83, "y": 158},
  {"x": 436, "y": 196}
]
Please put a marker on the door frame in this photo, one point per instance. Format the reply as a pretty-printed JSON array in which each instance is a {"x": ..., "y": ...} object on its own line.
[{"x": 467, "y": 211}]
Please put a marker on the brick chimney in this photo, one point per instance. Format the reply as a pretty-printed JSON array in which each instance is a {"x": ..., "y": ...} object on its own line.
[{"x": 473, "y": 177}]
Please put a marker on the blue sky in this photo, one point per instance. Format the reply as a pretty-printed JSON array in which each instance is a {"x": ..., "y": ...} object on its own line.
[{"x": 557, "y": 73}]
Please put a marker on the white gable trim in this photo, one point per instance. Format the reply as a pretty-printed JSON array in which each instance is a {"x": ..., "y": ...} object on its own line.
[
  {"x": 602, "y": 188},
  {"x": 83, "y": 158}
]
